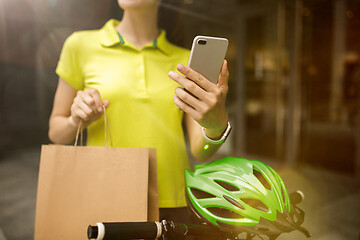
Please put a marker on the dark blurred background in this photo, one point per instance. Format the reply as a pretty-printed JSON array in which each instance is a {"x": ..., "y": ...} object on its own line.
[{"x": 293, "y": 101}]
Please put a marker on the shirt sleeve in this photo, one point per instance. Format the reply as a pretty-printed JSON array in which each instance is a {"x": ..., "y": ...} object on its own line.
[{"x": 68, "y": 67}]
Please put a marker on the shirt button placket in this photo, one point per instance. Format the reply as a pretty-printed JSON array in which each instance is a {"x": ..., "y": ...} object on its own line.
[{"x": 141, "y": 75}]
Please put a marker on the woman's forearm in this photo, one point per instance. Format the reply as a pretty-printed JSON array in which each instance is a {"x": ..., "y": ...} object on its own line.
[
  {"x": 61, "y": 130},
  {"x": 201, "y": 149}
]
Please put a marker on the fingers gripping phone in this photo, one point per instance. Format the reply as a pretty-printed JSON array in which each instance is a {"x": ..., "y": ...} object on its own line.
[{"x": 207, "y": 55}]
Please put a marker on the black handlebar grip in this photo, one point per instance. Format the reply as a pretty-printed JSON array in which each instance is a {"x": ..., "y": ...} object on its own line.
[
  {"x": 125, "y": 231},
  {"x": 92, "y": 232}
]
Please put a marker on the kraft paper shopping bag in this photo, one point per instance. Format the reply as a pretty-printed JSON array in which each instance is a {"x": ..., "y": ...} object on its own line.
[{"x": 79, "y": 186}]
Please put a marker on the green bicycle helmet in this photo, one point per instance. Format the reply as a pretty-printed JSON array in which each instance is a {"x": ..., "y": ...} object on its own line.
[{"x": 241, "y": 195}]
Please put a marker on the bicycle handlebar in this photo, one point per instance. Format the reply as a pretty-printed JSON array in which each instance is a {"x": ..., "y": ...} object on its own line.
[
  {"x": 151, "y": 230},
  {"x": 127, "y": 230},
  {"x": 172, "y": 230}
]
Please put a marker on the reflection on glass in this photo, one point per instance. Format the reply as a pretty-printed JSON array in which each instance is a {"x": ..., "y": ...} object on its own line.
[{"x": 294, "y": 71}]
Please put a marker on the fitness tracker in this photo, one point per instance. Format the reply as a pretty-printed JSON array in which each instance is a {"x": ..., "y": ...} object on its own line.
[{"x": 222, "y": 138}]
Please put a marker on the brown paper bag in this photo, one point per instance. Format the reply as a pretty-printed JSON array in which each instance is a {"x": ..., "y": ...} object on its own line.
[{"x": 79, "y": 186}]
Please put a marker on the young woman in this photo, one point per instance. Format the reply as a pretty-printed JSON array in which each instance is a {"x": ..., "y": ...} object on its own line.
[{"x": 130, "y": 68}]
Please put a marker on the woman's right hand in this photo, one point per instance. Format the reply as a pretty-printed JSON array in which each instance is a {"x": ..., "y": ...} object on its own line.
[{"x": 87, "y": 107}]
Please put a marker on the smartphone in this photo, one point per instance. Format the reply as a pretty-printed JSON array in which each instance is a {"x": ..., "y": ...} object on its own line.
[{"x": 207, "y": 55}]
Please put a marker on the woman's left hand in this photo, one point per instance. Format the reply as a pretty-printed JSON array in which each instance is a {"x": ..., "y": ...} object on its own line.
[{"x": 203, "y": 100}]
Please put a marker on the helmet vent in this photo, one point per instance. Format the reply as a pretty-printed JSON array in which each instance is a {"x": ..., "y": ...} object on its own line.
[
  {"x": 224, "y": 225},
  {"x": 262, "y": 179},
  {"x": 224, "y": 213},
  {"x": 255, "y": 203},
  {"x": 227, "y": 186},
  {"x": 199, "y": 194},
  {"x": 233, "y": 202}
]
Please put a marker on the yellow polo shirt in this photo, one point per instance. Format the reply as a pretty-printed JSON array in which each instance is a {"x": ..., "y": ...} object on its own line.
[{"x": 142, "y": 112}]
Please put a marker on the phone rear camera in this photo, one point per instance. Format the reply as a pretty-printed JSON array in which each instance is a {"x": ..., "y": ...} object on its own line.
[{"x": 202, "y": 42}]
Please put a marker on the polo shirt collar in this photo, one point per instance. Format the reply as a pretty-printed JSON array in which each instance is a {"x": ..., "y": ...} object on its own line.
[
  {"x": 162, "y": 43},
  {"x": 110, "y": 37}
]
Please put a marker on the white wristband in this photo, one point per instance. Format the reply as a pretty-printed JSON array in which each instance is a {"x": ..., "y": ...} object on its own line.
[{"x": 223, "y": 136}]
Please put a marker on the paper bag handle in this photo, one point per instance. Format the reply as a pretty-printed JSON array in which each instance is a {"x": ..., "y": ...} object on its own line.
[{"x": 107, "y": 128}]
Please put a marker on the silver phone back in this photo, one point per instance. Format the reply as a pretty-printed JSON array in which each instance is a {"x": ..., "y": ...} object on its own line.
[{"x": 207, "y": 58}]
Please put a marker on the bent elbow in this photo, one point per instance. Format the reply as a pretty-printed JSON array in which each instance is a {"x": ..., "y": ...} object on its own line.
[{"x": 52, "y": 135}]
